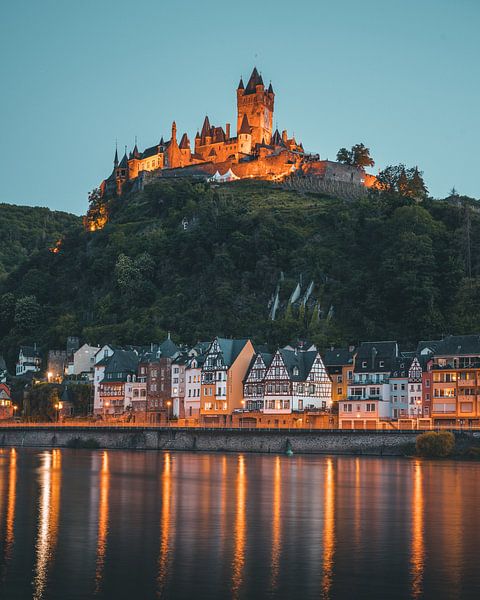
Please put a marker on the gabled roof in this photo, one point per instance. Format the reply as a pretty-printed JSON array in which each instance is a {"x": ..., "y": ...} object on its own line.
[
  {"x": 427, "y": 345},
  {"x": 338, "y": 357},
  {"x": 152, "y": 151},
  {"x": 374, "y": 353},
  {"x": 302, "y": 360},
  {"x": 120, "y": 364},
  {"x": 401, "y": 366},
  {"x": 245, "y": 126},
  {"x": 184, "y": 142},
  {"x": 230, "y": 349},
  {"x": 255, "y": 79},
  {"x": 458, "y": 345},
  {"x": 29, "y": 351},
  {"x": 277, "y": 139}
]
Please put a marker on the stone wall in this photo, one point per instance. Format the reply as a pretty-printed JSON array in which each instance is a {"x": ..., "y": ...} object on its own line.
[{"x": 213, "y": 440}]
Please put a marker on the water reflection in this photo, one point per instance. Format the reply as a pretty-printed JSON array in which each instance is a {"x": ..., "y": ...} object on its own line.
[
  {"x": 103, "y": 511},
  {"x": 166, "y": 525},
  {"x": 328, "y": 529},
  {"x": 276, "y": 522},
  {"x": 418, "y": 549},
  {"x": 48, "y": 515},
  {"x": 240, "y": 527}
]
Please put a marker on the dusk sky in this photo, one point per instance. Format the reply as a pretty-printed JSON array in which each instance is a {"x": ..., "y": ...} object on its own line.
[{"x": 401, "y": 76}]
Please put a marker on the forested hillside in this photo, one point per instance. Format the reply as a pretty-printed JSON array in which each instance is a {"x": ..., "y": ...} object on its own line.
[
  {"x": 383, "y": 268},
  {"x": 26, "y": 229}
]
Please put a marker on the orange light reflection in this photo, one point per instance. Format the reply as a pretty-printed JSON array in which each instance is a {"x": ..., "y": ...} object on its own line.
[
  {"x": 417, "y": 562},
  {"x": 103, "y": 515},
  {"x": 240, "y": 529},
  {"x": 328, "y": 529}
]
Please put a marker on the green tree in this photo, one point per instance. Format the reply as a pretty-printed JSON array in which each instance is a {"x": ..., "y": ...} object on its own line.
[
  {"x": 27, "y": 314},
  {"x": 358, "y": 156}
]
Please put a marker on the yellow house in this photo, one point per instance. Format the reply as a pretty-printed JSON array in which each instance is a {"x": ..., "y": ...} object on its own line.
[
  {"x": 339, "y": 363},
  {"x": 223, "y": 371}
]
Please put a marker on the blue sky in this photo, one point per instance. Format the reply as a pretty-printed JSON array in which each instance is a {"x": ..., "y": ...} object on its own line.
[{"x": 401, "y": 76}]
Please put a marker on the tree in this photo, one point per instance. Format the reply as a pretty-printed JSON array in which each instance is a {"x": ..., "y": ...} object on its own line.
[
  {"x": 398, "y": 180},
  {"x": 27, "y": 314},
  {"x": 97, "y": 214},
  {"x": 358, "y": 156}
]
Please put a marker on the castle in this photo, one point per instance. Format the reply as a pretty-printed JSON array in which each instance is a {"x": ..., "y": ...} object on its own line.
[{"x": 256, "y": 151}]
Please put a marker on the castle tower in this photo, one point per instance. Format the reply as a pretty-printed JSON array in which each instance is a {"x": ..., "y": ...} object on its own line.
[
  {"x": 121, "y": 172},
  {"x": 257, "y": 104}
]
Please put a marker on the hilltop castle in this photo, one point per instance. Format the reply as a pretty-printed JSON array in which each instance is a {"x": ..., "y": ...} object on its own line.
[{"x": 256, "y": 151}]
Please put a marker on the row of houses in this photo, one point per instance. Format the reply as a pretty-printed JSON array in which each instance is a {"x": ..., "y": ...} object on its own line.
[{"x": 218, "y": 382}]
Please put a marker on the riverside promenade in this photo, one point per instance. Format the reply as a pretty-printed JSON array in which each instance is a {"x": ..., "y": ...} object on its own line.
[{"x": 142, "y": 437}]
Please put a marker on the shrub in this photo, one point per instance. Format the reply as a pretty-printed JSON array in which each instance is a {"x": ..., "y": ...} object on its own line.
[{"x": 435, "y": 445}]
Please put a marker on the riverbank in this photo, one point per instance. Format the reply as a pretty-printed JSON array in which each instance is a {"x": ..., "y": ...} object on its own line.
[{"x": 374, "y": 443}]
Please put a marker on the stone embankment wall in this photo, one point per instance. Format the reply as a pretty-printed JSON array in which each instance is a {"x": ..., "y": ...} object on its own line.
[{"x": 212, "y": 440}]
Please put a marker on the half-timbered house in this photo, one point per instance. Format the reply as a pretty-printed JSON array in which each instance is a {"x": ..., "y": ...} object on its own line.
[
  {"x": 253, "y": 385},
  {"x": 296, "y": 380}
]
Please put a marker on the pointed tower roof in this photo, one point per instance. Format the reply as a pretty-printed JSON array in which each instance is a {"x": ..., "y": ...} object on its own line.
[
  {"x": 240, "y": 84},
  {"x": 206, "y": 127},
  {"x": 184, "y": 142},
  {"x": 277, "y": 139},
  {"x": 197, "y": 134},
  {"x": 135, "y": 153},
  {"x": 162, "y": 143},
  {"x": 124, "y": 162},
  {"x": 245, "y": 126},
  {"x": 255, "y": 79},
  {"x": 115, "y": 160},
  {"x": 270, "y": 88}
]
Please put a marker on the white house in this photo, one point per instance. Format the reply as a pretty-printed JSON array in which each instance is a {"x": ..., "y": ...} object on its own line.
[
  {"x": 84, "y": 361},
  {"x": 28, "y": 360}
]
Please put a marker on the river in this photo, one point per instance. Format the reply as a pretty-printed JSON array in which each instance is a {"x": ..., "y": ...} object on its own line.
[{"x": 79, "y": 524}]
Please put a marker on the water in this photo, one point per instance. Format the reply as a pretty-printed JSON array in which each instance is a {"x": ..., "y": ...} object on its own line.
[{"x": 78, "y": 524}]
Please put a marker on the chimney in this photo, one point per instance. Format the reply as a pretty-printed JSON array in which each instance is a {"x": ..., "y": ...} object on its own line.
[
  {"x": 227, "y": 130},
  {"x": 374, "y": 355},
  {"x": 168, "y": 335}
]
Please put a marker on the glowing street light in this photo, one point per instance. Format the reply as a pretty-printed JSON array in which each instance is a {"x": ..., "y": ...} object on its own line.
[
  {"x": 49, "y": 376},
  {"x": 169, "y": 404}
]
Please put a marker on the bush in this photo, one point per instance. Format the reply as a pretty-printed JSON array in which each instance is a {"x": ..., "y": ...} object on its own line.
[
  {"x": 435, "y": 445},
  {"x": 473, "y": 452}
]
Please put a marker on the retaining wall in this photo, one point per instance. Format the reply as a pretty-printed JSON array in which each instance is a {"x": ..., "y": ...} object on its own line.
[{"x": 213, "y": 440}]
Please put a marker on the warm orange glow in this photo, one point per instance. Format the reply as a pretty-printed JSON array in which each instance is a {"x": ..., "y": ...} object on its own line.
[
  {"x": 417, "y": 561},
  {"x": 103, "y": 512},
  {"x": 370, "y": 181},
  {"x": 48, "y": 516},
  {"x": 240, "y": 529},
  {"x": 12, "y": 497},
  {"x": 276, "y": 521},
  {"x": 328, "y": 529},
  {"x": 57, "y": 246},
  {"x": 166, "y": 524}
]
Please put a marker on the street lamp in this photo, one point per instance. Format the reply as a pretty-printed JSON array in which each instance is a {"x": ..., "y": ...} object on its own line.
[
  {"x": 168, "y": 410},
  {"x": 49, "y": 376},
  {"x": 419, "y": 402},
  {"x": 15, "y": 407},
  {"x": 105, "y": 406},
  {"x": 58, "y": 408}
]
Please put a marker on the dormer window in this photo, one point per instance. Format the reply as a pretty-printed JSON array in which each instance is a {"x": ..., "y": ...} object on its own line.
[
  {"x": 295, "y": 371},
  {"x": 381, "y": 363},
  {"x": 364, "y": 364}
]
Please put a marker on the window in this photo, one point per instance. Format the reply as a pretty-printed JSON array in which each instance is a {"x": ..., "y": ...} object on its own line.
[
  {"x": 371, "y": 407},
  {"x": 381, "y": 363},
  {"x": 339, "y": 379},
  {"x": 339, "y": 391},
  {"x": 364, "y": 364},
  {"x": 208, "y": 406},
  {"x": 300, "y": 405},
  {"x": 347, "y": 408}
]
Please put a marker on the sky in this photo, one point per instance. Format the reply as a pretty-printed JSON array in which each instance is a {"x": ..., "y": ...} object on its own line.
[{"x": 400, "y": 76}]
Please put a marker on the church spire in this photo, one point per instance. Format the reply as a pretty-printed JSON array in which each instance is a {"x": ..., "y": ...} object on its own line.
[{"x": 115, "y": 160}]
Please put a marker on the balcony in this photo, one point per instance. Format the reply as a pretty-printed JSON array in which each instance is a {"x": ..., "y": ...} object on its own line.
[{"x": 369, "y": 381}]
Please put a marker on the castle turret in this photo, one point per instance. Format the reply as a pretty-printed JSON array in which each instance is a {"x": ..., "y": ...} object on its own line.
[
  {"x": 121, "y": 173},
  {"x": 174, "y": 156},
  {"x": 184, "y": 147},
  {"x": 115, "y": 160},
  {"x": 244, "y": 137}
]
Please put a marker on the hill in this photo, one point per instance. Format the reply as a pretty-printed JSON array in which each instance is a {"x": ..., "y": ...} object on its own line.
[
  {"x": 25, "y": 229},
  {"x": 200, "y": 261}
]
